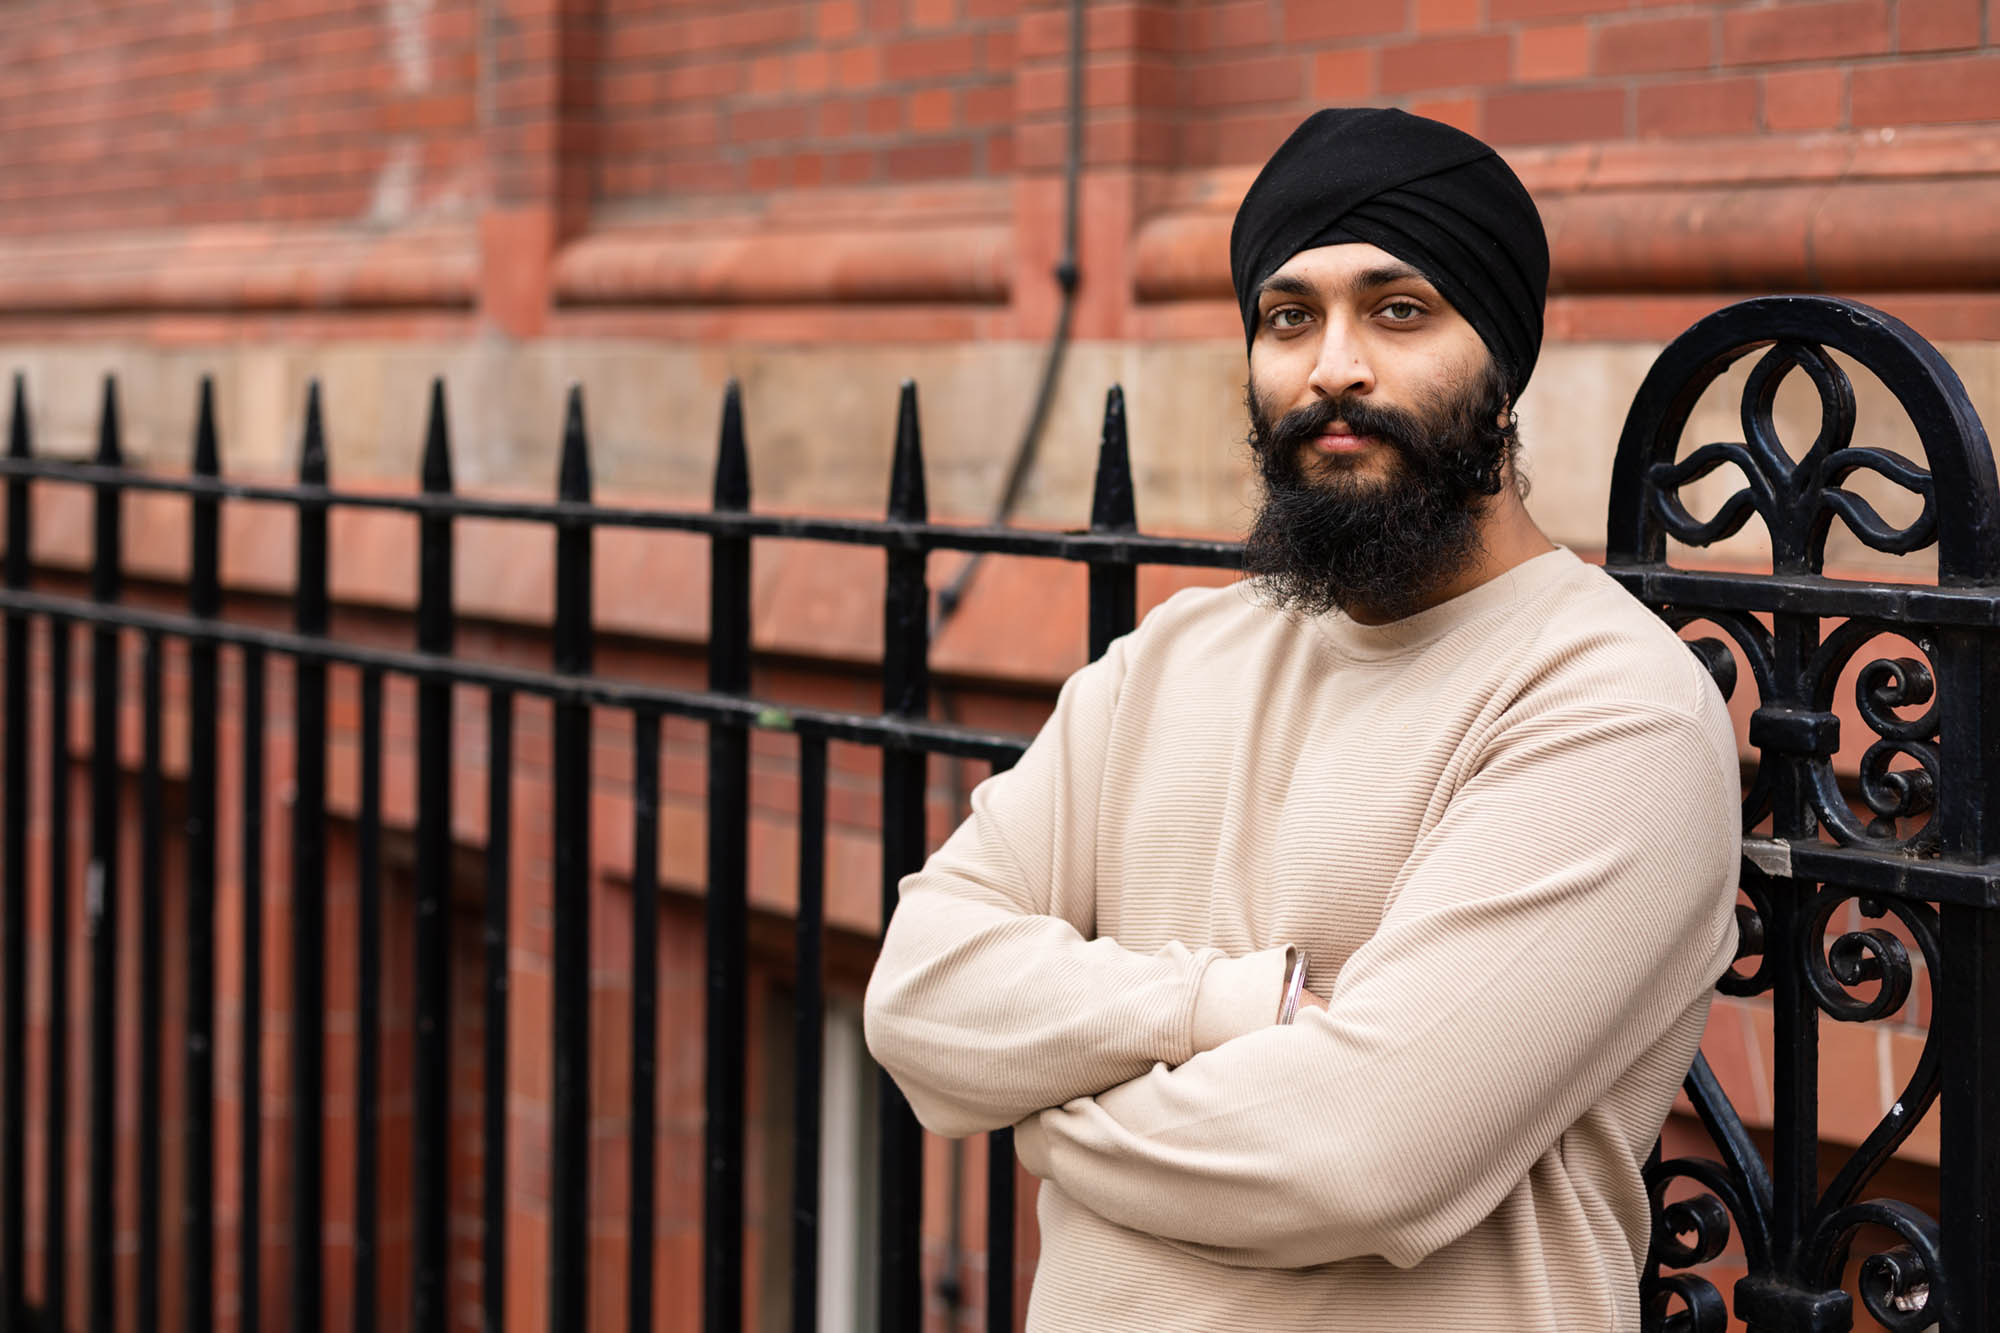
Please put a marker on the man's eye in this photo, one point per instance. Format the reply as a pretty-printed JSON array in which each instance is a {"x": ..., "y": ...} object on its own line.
[
  {"x": 1286, "y": 317},
  {"x": 1402, "y": 312}
]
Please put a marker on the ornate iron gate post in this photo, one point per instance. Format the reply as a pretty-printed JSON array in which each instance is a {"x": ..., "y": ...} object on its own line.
[{"x": 1929, "y": 779}]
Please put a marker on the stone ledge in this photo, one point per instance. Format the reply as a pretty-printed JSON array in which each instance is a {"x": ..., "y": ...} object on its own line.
[
  {"x": 957, "y": 263},
  {"x": 1875, "y": 211},
  {"x": 249, "y": 268}
]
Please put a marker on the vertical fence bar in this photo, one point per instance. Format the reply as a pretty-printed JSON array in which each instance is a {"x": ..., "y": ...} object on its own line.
[
  {"x": 569, "y": 1129},
  {"x": 432, "y": 1047},
  {"x": 1114, "y": 597},
  {"x": 728, "y": 859},
  {"x": 645, "y": 1012},
  {"x": 1000, "y": 1231},
  {"x": 14, "y": 912},
  {"x": 55, "y": 1137},
  {"x": 905, "y": 693},
  {"x": 808, "y": 1033},
  {"x": 308, "y": 907},
  {"x": 1968, "y": 1010},
  {"x": 250, "y": 1163},
  {"x": 197, "y": 1210},
  {"x": 101, "y": 886},
  {"x": 368, "y": 1006},
  {"x": 493, "y": 1161},
  {"x": 1968, "y": 989},
  {"x": 1794, "y": 1012},
  {"x": 152, "y": 1006},
  {"x": 1114, "y": 585}
]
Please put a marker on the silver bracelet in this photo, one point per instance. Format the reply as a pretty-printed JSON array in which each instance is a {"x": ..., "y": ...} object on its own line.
[{"x": 1295, "y": 982}]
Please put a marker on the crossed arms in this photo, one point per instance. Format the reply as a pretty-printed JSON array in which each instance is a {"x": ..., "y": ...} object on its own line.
[{"x": 1507, "y": 988}]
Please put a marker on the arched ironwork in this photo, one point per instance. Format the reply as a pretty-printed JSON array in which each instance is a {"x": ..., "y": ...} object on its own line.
[{"x": 1864, "y": 891}]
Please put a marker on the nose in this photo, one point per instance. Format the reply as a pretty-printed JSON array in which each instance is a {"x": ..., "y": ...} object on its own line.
[{"x": 1342, "y": 366}]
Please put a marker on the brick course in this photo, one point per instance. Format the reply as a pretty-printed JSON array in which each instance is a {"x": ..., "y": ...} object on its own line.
[
  {"x": 307, "y": 113},
  {"x": 112, "y": 123}
]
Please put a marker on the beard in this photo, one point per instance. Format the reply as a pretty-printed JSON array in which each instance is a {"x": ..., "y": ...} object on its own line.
[{"x": 1382, "y": 545}]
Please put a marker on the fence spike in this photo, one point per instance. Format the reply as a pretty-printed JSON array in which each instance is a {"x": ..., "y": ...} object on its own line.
[
  {"x": 573, "y": 476},
  {"x": 110, "y": 451},
  {"x": 309, "y": 593},
  {"x": 312, "y": 447},
  {"x": 437, "y": 442},
  {"x": 17, "y": 488},
  {"x": 907, "y": 499},
  {"x": 204, "y": 534},
  {"x": 1111, "y": 504},
  {"x": 1114, "y": 584},
  {"x": 17, "y": 422},
  {"x": 732, "y": 458},
  {"x": 207, "y": 454}
]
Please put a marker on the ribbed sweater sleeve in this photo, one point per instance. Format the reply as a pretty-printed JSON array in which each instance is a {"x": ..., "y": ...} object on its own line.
[
  {"x": 990, "y": 998},
  {"x": 1573, "y": 900}
]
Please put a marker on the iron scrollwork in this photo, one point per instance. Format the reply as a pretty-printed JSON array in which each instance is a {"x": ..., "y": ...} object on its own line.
[
  {"x": 1739, "y": 1188},
  {"x": 1882, "y": 686},
  {"x": 1753, "y": 641},
  {"x": 1888, "y": 844},
  {"x": 1796, "y": 500},
  {"x": 1895, "y": 1284}
]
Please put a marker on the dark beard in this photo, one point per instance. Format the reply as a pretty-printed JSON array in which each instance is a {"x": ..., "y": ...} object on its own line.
[{"x": 1384, "y": 545}]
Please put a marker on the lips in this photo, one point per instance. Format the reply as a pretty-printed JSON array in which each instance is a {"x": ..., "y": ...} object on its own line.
[{"x": 1338, "y": 439}]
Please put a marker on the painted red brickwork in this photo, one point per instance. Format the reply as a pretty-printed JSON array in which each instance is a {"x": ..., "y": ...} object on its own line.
[
  {"x": 733, "y": 98},
  {"x": 147, "y": 114},
  {"x": 737, "y": 98},
  {"x": 581, "y": 166}
]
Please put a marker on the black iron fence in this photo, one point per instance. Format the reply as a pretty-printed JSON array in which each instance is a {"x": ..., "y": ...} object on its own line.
[
  {"x": 1916, "y": 847},
  {"x": 1926, "y": 858},
  {"x": 903, "y": 732}
]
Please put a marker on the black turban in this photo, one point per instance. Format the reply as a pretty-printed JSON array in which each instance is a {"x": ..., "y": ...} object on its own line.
[{"x": 1432, "y": 196}]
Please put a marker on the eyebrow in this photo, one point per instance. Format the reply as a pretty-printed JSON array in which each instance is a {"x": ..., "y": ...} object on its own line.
[{"x": 1382, "y": 275}]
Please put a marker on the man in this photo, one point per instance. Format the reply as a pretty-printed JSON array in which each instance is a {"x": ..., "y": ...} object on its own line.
[{"x": 1337, "y": 948}]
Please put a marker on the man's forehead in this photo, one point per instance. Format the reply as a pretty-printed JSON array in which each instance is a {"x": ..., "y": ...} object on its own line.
[{"x": 1348, "y": 266}]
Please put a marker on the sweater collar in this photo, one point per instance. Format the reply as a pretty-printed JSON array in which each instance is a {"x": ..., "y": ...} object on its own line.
[{"x": 1524, "y": 581}]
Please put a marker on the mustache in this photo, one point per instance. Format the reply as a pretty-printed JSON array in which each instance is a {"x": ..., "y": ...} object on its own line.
[{"x": 1394, "y": 427}]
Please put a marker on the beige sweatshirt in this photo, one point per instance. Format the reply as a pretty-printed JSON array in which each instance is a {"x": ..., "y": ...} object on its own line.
[{"x": 1506, "y": 831}]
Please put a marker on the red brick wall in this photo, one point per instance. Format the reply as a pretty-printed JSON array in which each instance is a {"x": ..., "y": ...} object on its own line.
[
  {"x": 797, "y": 95},
  {"x": 573, "y": 167},
  {"x": 147, "y": 115},
  {"x": 723, "y": 97}
]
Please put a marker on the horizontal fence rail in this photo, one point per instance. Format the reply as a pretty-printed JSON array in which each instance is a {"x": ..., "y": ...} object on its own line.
[{"x": 256, "y": 1201}]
